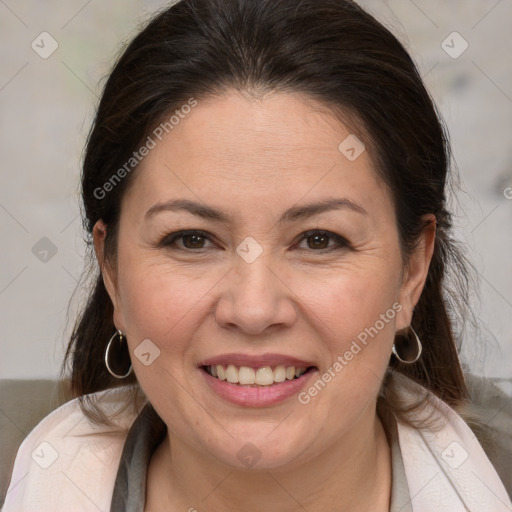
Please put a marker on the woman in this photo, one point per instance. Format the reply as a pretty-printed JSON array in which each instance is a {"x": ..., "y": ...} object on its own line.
[{"x": 264, "y": 186}]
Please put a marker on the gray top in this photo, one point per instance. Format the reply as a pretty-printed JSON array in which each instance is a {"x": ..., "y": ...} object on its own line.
[{"x": 147, "y": 432}]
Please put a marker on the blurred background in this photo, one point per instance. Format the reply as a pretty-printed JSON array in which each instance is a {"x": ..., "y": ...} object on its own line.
[{"x": 55, "y": 56}]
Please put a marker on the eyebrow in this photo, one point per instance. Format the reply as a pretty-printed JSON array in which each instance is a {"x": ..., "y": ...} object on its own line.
[{"x": 292, "y": 214}]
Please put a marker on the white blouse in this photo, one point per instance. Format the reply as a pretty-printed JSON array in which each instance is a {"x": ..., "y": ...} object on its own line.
[{"x": 68, "y": 463}]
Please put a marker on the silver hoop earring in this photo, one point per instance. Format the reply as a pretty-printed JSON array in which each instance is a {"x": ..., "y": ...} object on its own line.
[
  {"x": 107, "y": 356},
  {"x": 409, "y": 354}
]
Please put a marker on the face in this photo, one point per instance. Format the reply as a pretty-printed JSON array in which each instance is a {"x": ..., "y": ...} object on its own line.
[{"x": 289, "y": 258}]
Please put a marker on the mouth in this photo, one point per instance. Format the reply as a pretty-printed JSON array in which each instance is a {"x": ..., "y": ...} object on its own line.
[
  {"x": 259, "y": 385},
  {"x": 256, "y": 380},
  {"x": 260, "y": 376}
]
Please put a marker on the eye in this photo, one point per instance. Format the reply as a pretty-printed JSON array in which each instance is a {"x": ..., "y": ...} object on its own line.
[
  {"x": 318, "y": 240},
  {"x": 190, "y": 240},
  {"x": 197, "y": 240}
]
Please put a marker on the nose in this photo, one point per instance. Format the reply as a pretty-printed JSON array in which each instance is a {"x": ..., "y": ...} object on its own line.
[{"x": 255, "y": 299}]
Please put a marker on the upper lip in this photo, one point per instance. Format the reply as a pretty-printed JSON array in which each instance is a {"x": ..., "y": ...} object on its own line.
[{"x": 256, "y": 361}]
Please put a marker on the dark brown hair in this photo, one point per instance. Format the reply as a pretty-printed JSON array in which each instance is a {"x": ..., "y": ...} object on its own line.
[{"x": 329, "y": 50}]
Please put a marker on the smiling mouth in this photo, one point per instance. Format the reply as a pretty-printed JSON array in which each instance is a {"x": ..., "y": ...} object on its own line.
[{"x": 255, "y": 377}]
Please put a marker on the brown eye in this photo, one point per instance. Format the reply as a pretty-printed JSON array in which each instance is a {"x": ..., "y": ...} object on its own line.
[
  {"x": 193, "y": 241},
  {"x": 318, "y": 241},
  {"x": 187, "y": 240}
]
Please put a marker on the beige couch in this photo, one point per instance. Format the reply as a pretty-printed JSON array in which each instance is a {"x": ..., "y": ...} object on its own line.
[{"x": 23, "y": 403}]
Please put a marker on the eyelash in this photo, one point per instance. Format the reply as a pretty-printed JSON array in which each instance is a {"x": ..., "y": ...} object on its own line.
[{"x": 171, "y": 238}]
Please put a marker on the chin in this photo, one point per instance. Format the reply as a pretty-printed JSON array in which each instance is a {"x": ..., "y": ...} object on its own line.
[{"x": 257, "y": 448}]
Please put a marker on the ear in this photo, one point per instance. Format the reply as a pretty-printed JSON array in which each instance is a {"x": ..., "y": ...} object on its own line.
[
  {"x": 99, "y": 233},
  {"x": 416, "y": 272}
]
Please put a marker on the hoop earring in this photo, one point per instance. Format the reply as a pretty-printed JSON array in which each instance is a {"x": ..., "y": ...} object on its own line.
[
  {"x": 107, "y": 356},
  {"x": 408, "y": 356}
]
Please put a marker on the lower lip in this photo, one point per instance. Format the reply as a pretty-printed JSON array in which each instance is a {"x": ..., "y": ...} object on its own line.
[{"x": 260, "y": 396}]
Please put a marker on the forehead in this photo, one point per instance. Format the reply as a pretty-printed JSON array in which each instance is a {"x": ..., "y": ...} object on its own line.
[
  {"x": 278, "y": 148},
  {"x": 256, "y": 135}
]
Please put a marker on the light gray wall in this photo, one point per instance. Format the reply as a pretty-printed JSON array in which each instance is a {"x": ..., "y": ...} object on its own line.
[{"x": 46, "y": 107}]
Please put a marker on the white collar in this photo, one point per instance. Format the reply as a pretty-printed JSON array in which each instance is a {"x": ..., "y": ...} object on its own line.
[{"x": 446, "y": 467}]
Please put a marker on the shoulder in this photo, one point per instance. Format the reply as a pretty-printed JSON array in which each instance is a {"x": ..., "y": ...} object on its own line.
[
  {"x": 490, "y": 417},
  {"x": 482, "y": 427},
  {"x": 68, "y": 462}
]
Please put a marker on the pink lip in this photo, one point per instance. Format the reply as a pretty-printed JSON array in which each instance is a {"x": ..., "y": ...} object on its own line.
[
  {"x": 256, "y": 361},
  {"x": 259, "y": 396}
]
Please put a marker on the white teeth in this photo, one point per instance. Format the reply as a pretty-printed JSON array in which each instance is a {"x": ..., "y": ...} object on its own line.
[
  {"x": 280, "y": 373},
  {"x": 221, "y": 373},
  {"x": 246, "y": 375},
  {"x": 231, "y": 374},
  {"x": 264, "y": 376}
]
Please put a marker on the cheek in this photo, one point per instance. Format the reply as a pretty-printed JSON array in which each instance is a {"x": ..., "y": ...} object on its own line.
[
  {"x": 355, "y": 319},
  {"x": 352, "y": 301},
  {"x": 355, "y": 314},
  {"x": 160, "y": 303}
]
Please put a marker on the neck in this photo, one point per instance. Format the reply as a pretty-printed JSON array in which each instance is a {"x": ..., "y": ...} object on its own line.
[{"x": 352, "y": 474}]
